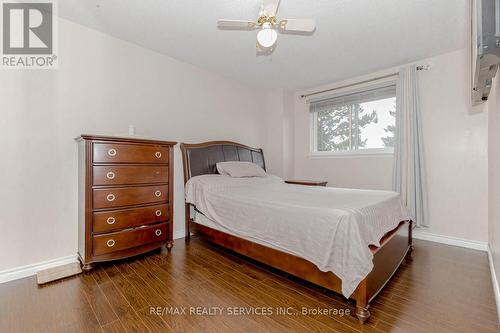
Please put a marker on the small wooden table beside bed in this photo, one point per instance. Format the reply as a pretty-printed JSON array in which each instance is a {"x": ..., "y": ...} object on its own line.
[{"x": 346, "y": 240}]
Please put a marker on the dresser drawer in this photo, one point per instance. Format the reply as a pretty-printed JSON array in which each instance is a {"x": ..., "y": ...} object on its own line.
[
  {"x": 117, "y": 241},
  {"x": 123, "y": 175},
  {"x": 129, "y": 196},
  {"x": 129, "y": 153},
  {"x": 128, "y": 218}
]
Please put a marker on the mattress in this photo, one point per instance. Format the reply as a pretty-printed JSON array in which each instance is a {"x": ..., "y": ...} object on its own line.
[{"x": 330, "y": 227}]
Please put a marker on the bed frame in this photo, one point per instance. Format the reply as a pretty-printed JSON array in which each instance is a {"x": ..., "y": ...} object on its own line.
[{"x": 201, "y": 158}]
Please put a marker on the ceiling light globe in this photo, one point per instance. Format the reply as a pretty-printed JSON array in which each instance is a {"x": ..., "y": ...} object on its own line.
[{"x": 267, "y": 38}]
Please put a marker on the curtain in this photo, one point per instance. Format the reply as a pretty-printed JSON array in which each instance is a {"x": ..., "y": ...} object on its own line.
[{"x": 409, "y": 172}]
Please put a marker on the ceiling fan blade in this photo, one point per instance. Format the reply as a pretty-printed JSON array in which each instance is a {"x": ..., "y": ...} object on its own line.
[
  {"x": 297, "y": 25},
  {"x": 270, "y": 7},
  {"x": 235, "y": 24}
]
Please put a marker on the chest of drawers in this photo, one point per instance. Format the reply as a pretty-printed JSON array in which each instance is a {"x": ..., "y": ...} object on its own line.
[{"x": 125, "y": 197}]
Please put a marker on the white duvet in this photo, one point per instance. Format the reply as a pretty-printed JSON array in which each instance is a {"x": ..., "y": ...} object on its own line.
[{"x": 330, "y": 227}]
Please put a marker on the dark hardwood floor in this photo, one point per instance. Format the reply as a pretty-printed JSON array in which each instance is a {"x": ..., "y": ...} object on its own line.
[{"x": 442, "y": 289}]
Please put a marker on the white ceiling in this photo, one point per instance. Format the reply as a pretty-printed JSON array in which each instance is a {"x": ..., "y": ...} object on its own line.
[{"x": 353, "y": 37}]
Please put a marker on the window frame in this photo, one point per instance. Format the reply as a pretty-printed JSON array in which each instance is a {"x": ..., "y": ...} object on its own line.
[{"x": 356, "y": 153}]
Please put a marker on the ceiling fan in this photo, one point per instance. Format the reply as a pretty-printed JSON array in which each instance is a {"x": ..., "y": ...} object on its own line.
[{"x": 269, "y": 24}]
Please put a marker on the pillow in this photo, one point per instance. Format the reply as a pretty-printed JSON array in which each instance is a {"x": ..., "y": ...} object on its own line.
[{"x": 240, "y": 169}]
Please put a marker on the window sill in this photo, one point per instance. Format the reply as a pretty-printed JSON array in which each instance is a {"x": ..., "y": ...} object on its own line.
[{"x": 357, "y": 154}]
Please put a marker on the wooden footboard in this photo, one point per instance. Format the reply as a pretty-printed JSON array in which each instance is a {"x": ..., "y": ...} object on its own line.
[
  {"x": 387, "y": 258},
  {"x": 393, "y": 249}
]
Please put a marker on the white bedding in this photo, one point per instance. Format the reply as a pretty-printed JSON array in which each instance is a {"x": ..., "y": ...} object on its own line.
[{"x": 330, "y": 227}]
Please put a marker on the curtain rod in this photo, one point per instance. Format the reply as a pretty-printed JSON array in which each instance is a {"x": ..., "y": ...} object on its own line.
[{"x": 419, "y": 68}]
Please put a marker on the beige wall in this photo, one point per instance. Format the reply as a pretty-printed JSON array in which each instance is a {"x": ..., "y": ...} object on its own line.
[
  {"x": 103, "y": 85},
  {"x": 279, "y": 122},
  {"x": 493, "y": 174},
  {"x": 455, "y": 139}
]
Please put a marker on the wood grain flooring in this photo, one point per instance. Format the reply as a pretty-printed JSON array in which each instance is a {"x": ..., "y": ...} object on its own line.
[{"x": 442, "y": 289}]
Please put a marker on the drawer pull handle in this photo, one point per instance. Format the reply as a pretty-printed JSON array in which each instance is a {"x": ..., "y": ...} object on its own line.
[
  {"x": 158, "y": 212},
  {"x": 110, "y": 242},
  {"x": 110, "y": 197},
  {"x": 158, "y": 232},
  {"x": 112, "y": 152},
  {"x": 158, "y": 193},
  {"x": 111, "y": 220},
  {"x": 158, "y": 154},
  {"x": 111, "y": 175}
]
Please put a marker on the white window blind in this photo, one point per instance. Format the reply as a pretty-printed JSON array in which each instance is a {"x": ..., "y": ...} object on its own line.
[{"x": 361, "y": 120}]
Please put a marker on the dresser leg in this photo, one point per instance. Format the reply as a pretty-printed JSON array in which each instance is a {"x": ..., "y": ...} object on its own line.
[
  {"x": 170, "y": 244},
  {"x": 87, "y": 267}
]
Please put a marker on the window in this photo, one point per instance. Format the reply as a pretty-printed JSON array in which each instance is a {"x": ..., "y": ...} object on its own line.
[{"x": 360, "y": 122}]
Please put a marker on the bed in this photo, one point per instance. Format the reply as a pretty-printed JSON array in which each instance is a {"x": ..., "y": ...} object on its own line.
[{"x": 348, "y": 241}]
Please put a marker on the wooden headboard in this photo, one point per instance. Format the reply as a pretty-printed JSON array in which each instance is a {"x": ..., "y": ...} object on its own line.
[{"x": 201, "y": 158}]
